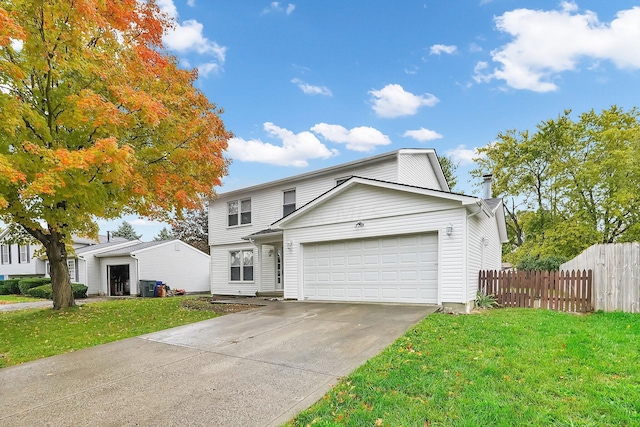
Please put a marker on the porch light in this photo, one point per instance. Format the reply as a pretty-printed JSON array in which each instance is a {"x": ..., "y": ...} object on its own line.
[
  {"x": 289, "y": 244},
  {"x": 359, "y": 224},
  {"x": 449, "y": 230}
]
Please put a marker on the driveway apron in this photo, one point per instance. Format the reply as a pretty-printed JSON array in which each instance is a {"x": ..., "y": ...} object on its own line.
[{"x": 255, "y": 368}]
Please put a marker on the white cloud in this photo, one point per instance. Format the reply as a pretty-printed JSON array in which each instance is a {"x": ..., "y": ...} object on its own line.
[
  {"x": 277, "y": 7},
  {"x": 207, "y": 68},
  {"x": 310, "y": 89},
  {"x": 295, "y": 150},
  {"x": 393, "y": 101},
  {"x": 191, "y": 3},
  {"x": 547, "y": 43},
  {"x": 475, "y": 48},
  {"x": 422, "y": 134},
  {"x": 168, "y": 7},
  {"x": 462, "y": 155},
  {"x": 188, "y": 37},
  {"x": 438, "y": 49},
  {"x": 361, "y": 138}
]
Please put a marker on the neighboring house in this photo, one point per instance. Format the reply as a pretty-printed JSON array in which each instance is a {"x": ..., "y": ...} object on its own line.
[
  {"x": 381, "y": 229},
  {"x": 18, "y": 261},
  {"x": 115, "y": 267},
  {"x": 116, "y": 271}
]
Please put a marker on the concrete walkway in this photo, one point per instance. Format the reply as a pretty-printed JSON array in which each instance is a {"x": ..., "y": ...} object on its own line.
[
  {"x": 45, "y": 304},
  {"x": 255, "y": 368}
]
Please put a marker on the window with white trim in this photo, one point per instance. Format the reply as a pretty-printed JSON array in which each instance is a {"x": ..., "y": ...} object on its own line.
[
  {"x": 288, "y": 202},
  {"x": 239, "y": 216},
  {"x": 241, "y": 266},
  {"x": 5, "y": 253},
  {"x": 23, "y": 254},
  {"x": 71, "y": 265}
]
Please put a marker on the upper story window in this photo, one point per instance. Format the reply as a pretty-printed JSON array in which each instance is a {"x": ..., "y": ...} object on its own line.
[
  {"x": 289, "y": 202},
  {"x": 5, "y": 254},
  {"x": 239, "y": 212},
  {"x": 23, "y": 254},
  {"x": 342, "y": 180},
  {"x": 241, "y": 263}
]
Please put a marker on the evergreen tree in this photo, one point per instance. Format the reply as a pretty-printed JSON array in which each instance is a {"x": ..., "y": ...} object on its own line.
[{"x": 126, "y": 230}]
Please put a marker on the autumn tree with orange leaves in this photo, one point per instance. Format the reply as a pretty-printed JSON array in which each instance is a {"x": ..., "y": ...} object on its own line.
[{"x": 96, "y": 121}]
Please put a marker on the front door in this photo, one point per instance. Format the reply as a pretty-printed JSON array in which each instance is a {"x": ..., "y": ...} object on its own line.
[{"x": 118, "y": 276}]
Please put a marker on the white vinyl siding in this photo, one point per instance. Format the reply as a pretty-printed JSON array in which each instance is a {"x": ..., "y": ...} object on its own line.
[
  {"x": 177, "y": 264},
  {"x": 417, "y": 214},
  {"x": 267, "y": 202},
  {"x": 388, "y": 269},
  {"x": 485, "y": 249},
  {"x": 220, "y": 283},
  {"x": 416, "y": 169}
]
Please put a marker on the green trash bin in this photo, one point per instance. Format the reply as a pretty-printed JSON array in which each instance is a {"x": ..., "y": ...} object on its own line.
[{"x": 147, "y": 287}]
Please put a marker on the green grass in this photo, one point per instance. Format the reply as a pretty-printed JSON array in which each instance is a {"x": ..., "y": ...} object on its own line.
[
  {"x": 503, "y": 367},
  {"x": 13, "y": 299},
  {"x": 36, "y": 333}
]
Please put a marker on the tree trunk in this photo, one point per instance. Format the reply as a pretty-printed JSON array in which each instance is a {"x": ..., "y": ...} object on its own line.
[{"x": 60, "y": 281}]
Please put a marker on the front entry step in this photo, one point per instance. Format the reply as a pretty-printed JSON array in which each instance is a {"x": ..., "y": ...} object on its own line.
[{"x": 270, "y": 294}]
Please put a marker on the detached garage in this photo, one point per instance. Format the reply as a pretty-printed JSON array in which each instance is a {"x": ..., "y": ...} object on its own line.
[
  {"x": 375, "y": 241},
  {"x": 386, "y": 269}
]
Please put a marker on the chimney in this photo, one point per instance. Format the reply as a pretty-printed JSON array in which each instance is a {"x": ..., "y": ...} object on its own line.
[
  {"x": 486, "y": 186},
  {"x": 108, "y": 236}
]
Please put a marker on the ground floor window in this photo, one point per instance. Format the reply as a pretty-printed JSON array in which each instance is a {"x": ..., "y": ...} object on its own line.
[{"x": 241, "y": 263}]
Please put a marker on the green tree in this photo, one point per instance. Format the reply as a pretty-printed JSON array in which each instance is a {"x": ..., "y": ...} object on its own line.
[
  {"x": 126, "y": 231},
  {"x": 570, "y": 184},
  {"x": 193, "y": 229},
  {"x": 449, "y": 168},
  {"x": 164, "y": 234},
  {"x": 97, "y": 121}
]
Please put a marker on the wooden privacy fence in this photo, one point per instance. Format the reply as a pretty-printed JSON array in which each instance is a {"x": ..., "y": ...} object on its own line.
[{"x": 555, "y": 290}]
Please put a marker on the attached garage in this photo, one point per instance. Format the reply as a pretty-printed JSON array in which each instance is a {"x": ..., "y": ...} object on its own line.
[{"x": 399, "y": 268}]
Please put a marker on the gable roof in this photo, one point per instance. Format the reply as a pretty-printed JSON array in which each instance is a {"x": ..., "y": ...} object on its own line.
[
  {"x": 129, "y": 249},
  {"x": 430, "y": 152},
  {"x": 101, "y": 247},
  {"x": 354, "y": 180}
]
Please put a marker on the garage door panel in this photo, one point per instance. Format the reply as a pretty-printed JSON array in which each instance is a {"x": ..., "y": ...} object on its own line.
[{"x": 393, "y": 269}]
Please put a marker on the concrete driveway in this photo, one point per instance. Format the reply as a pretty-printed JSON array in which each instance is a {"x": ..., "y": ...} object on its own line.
[{"x": 255, "y": 368}]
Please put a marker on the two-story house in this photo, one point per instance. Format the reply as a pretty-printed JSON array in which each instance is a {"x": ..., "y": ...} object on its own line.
[
  {"x": 17, "y": 261},
  {"x": 381, "y": 229}
]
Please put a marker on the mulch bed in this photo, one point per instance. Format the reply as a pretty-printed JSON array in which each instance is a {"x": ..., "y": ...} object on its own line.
[{"x": 209, "y": 304}]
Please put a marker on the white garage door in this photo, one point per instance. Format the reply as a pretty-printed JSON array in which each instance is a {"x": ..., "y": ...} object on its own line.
[{"x": 388, "y": 269}]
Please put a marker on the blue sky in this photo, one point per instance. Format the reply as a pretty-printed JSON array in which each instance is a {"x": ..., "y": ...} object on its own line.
[{"x": 307, "y": 85}]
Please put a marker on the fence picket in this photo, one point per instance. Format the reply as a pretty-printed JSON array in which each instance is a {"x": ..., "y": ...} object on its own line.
[{"x": 554, "y": 290}]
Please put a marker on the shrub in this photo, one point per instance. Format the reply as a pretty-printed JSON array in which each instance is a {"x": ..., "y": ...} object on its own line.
[
  {"x": 79, "y": 290},
  {"x": 485, "y": 302},
  {"x": 11, "y": 285},
  {"x": 33, "y": 282},
  {"x": 549, "y": 263},
  {"x": 3, "y": 289},
  {"x": 45, "y": 291}
]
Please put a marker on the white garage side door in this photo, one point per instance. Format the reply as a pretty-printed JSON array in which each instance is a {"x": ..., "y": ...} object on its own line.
[{"x": 387, "y": 269}]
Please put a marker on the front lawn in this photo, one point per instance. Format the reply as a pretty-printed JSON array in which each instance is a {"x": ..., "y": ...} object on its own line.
[
  {"x": 503, "y": 367},
  {"x": 33, "y": 334}
]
